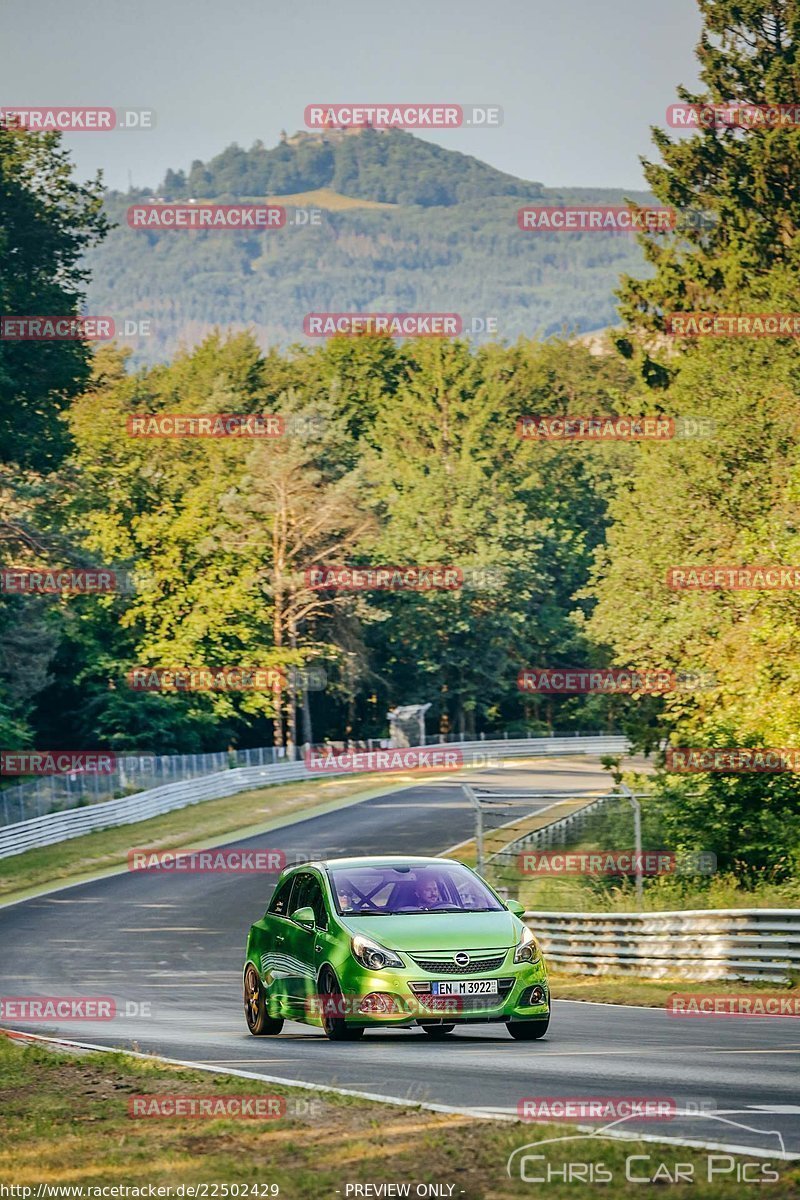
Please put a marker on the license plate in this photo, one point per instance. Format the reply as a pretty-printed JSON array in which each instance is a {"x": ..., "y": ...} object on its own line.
[{"x": 465, "y": 987}]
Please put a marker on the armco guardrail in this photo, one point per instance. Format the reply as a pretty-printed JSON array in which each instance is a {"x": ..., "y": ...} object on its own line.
[
  {"x": 61, "y": 826},
  {"x": 555, "y": 833},
  {"x": 701, "y": 944},
  {"x": 132, "y": 773}
]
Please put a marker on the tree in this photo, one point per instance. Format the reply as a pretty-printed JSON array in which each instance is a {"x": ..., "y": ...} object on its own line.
[
  {"x": 47, "y": 223},
  {"x": 743, "y": 180},
  {"x": 725, "y": 499},
  {"x": 291, "y": 512}
]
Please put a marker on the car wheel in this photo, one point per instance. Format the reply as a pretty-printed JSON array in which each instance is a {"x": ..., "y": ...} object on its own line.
[
  {"x": 438, "y": 1031},
  {"x": 528, "y": 1031},
  {"x": 259, "y": 1022},
  {"x": 335, "y": 1028}
]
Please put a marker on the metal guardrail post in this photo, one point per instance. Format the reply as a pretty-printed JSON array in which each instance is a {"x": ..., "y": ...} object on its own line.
[
  {"x": 637, "y": 840},
  {"x": 473, "y": 799}
]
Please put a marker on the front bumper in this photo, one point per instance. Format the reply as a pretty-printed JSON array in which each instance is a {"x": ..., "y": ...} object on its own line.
[{"x": 410, "y": 1004}]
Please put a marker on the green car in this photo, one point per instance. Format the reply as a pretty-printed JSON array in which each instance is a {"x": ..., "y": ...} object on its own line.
[{"x": 358, "y": 943}]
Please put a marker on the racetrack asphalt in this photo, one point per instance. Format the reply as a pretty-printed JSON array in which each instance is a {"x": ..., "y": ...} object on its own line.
[{"x": 175, "y": 942}]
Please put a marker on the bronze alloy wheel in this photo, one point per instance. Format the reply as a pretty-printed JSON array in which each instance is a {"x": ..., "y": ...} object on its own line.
[{"x": 259, "y": 1022}]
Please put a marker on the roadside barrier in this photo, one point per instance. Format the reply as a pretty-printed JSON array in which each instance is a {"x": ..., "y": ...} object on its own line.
[{"x": 125, "y": 810}]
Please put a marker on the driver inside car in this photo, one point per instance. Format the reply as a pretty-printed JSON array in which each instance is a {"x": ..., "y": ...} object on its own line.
[{"x": 428, "y": 892}]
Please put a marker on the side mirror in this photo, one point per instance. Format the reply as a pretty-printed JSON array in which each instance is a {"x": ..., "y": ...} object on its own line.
[
  {"x": 304, "y": 917},
  {"x": 515, "y": 907}
]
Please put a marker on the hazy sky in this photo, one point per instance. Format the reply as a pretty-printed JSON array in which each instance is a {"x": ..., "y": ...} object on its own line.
[{"x": 579, "y": 81}]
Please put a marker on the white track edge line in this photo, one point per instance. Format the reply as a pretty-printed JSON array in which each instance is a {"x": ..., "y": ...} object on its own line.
[{"x": 475, "y": 1114}]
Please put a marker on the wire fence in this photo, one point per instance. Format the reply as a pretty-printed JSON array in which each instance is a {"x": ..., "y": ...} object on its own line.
[{"x": 141, "y": 772}]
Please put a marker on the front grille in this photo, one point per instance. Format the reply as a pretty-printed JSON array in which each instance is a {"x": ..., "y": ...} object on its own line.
[
  {"x": 446, "y": 966},
  {"x": 466, "y": 1004},
  {"x": 478, "y": 1003}
]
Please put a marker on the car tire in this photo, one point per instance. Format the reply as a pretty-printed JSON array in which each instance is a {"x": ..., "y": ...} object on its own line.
[
  {"x": 259, "y": 1022},
  {"x": 528, "y": 1031},
  {"x": 438, "y": 1031},
  {"x": 336, "y": 1029}
]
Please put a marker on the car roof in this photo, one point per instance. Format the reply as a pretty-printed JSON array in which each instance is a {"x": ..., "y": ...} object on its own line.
[{"x": 385, "y": 860}]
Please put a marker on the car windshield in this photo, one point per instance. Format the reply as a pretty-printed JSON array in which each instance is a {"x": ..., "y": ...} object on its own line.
[{"x": 389, "y": 890}]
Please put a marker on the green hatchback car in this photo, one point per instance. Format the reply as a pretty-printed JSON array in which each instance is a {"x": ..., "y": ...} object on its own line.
[{"x": 350, "y": 944}]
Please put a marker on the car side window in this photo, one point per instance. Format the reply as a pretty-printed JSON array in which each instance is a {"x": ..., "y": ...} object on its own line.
[
  {"x": 279, "y": 904},
  {"x": 317, "y": 902},
  {"x": 309, "y": 895}
]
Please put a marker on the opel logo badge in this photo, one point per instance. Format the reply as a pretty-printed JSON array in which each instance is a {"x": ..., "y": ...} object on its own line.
[{"x": 462, "y": 958}]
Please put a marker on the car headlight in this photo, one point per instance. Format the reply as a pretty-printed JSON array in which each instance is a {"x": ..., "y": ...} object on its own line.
[
  {"x": 372, "y": 955},
  {"x": 527, "y": 948}
]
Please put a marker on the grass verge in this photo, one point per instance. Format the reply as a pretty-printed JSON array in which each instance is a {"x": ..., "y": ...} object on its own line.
[
  {"x": 650, "y": 993},
  {"x": 198, "y": 825},
  {"x": 66, "y": 1123}
]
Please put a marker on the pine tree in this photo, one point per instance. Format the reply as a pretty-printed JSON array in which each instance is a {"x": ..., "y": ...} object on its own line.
[{"x": 741, "y": 181}]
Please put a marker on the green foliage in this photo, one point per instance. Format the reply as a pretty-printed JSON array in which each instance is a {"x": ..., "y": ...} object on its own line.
[
  {"x": 415, "y": 459},
  {"x": 450, "y": 244},
  {"x": 47, "y": 223},
  {"x": 741, "y": 180},
  {"x": 428, "y": 469},
  {"x": 390, "y": 167}
]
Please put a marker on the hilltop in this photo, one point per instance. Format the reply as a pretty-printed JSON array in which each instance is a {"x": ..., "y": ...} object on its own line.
[
  {"x": 403, "y": 225},
  {"x": 391, "y": 167}
]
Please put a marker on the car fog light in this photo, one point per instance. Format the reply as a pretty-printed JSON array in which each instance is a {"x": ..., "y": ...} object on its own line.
[{"x": 377, "y": 1003}]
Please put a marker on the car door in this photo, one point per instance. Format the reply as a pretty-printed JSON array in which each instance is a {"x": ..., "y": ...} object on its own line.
[
  {"x": 304, "y": 947},
  {"x": 275, "y": 963}
]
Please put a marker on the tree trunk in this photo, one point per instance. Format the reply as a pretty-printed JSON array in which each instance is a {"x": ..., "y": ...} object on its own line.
[{"x": 308, "y": 733}]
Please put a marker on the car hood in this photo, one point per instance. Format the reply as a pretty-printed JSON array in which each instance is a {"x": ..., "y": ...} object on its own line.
[{"x": 439, "y": 931}]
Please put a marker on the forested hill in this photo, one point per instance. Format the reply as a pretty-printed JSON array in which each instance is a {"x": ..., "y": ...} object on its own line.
[
  {"x": 402, "y": 225},
  {"x": 390, "y": 167}
]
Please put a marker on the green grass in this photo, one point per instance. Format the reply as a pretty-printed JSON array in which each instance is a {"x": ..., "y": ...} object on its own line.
[
  {"x": 651, "y": 993},
  {"x": 65, "y": 1122},
  {"x": 662, "y": 894},
  {"x": 192, "y": 827},
  {"x": 199, "y": 825}
]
